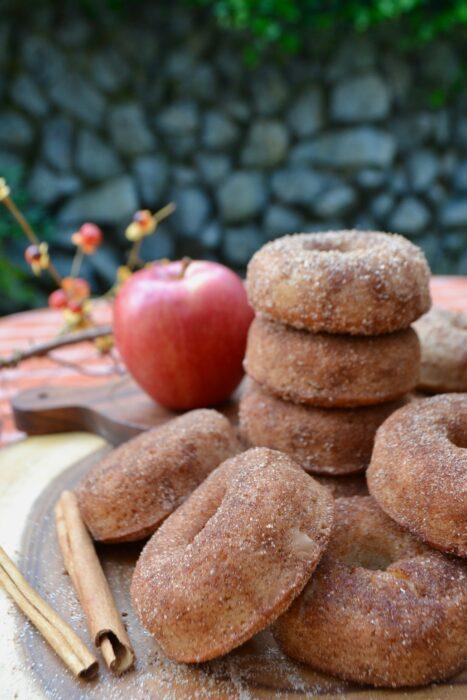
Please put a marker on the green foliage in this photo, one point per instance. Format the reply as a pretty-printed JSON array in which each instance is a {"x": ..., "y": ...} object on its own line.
[
  {"x": 19, "y": 289},
  {"x": 283, "y": 22}
]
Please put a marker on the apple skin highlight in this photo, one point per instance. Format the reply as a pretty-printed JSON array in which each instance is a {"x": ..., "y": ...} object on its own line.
[{"x": 181, "y": 329}]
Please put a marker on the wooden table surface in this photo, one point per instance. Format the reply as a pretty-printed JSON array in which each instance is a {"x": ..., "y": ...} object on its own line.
[{"x": 20, "y": 330}]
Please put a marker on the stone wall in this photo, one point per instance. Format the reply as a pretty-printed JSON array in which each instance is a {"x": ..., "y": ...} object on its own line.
[{"x": 110, "y": 114}]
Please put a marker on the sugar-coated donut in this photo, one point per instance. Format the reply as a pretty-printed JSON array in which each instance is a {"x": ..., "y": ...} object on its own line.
[
  {"x": 382, "y": 608},
  {"x": 331, "y": 370},
  {"x": 322, "y": 440},
  {"x": 233, "y": 556},
  {"x": 128, "y": 494},
  {"x": 443, "y": 337},
  {"x": 418, "y": 470},
  {"x": 358, "y": 282}
]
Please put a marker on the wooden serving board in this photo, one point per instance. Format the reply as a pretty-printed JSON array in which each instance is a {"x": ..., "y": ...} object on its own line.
[
  {"x": 117, "y": 410},
  {"x": 43, "y": 467}
]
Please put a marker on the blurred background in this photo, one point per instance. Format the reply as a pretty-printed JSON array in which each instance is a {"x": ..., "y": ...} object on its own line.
[{"x": 258, "y": 118}]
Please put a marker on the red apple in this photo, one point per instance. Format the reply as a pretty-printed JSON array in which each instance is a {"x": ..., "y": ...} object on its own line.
[{"x": 181, "y": 330}]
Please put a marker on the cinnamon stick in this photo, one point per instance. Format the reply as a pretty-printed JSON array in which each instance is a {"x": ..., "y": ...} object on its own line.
[
  {"x": 83, "y": 566},
  {"x": 61, "y": 637}
]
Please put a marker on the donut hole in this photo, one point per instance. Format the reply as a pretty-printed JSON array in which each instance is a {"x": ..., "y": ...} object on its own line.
[
  {"x": 327, "y": 245},
  {"x": 367, "y": 556}
]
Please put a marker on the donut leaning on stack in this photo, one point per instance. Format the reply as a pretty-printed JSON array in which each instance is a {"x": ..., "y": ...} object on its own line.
[{"x": 331, "y": 353}]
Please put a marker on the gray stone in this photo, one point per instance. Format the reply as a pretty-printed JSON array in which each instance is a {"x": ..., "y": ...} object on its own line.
[
  {"x": 410, "y": 216},
  {"x": 74, "y": 30},
  {"x": 266, "y": 145},
  {"x": 442, "y": 128},
  {"x": 412, "y": 131},
  {"x": 298, "y": 185},
  {"x": 361, "y": 98},
  {"x": 454, "y": 212},
  {"x": 280, "y": 220},
  {"x": 110, "y": 203},
  {"x": 179, "y": 63},
  {"x": 109, "y": 71},
  {"x": 213, "y": 167},
  {"x": 238, "y": 110},
  {"x": 47, "y": 187},
  {"x": 398, "y": 182},
  {"x": 182, "y": 146},
  {"x": 75, "y": 95},
  {"x": 15, "y": 130},
  {"x": 201, "y": 83},
  {"x": 461, "y": 130},
  {"x": 26, "y": 94},
  {"x": 351, "y": 148},
  {"x": 460, "y": 177},
  {"x": 129, "y": 130},
  {"x": 183, "y": 175},
  {"x": 382, "y": 205},
  {"x": 306, "y": 115},
  {"x": 422, "y": 169},
  {"x": 193, "y": 209},
  {"x": 399, "y": 76},
  {"x": 94, "y": 158},
  {"x": 240, "y": 243},
  {"x": 336, "y": 201},
  {"x": 152, "y": 175},
  {"x": 160, "y": 245},
  {"x": 436, "y": 194},
  {"x": 43, "y": 60},
  {"x": 211, "y": 235},
  {"x": 10, "y": 163},
  {"x": 57, "y": 140},
  {"x": 241, "y": 196},
  {"x": 104, "y": 263},
  {"x": 179, "y": 118},
  {"x": 269, "y": 90},
  {"x": 354, "y": 55},
  {"x": 441, "y": 64},
  {"x": 219, "y": 132},
  {"x": 371, "y": 179}
]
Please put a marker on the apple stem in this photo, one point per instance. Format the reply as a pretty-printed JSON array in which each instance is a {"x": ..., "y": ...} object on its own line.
[{"x": 183, "y": 266}]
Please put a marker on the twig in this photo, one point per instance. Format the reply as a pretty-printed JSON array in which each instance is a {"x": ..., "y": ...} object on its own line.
[
  {"x": 15, "y": 212},
  {"x": 42, "y": 349},
  {"x": 111, "y": 370}
]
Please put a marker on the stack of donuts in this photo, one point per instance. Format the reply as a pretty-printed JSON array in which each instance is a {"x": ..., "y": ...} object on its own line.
[
  {"x": 369, "y": 588},
  {"x": 331, "y": 353}
]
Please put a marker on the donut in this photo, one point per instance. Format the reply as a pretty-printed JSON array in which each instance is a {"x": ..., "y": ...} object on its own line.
[
  {"x": 233, "y": 556},
  {"x": 129, "y": 493},
  {"x": 418, "y": 470},
  {"x": 443, "y": 338},
  {"x": 331, "y": 370},
  {"x": 343, "y": 486},
  {"x": 357, "y": 282},
  {"x": 324, "y": 441},
  {"x": 382, "y": 608}
]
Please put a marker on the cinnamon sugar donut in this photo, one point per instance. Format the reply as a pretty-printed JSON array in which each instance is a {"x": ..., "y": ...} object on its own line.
[
  {"x": 443, "y": 337},
  {"x": 382, "y": 608},
  {"x": 322, "y": 440},
  {"x": 128, "y": 494},
  {"x": 357, "y": 282},
  {"x": 331, "y": 370},
  {"x": 418, "y": 470},
  {"x": 233, "y": 556}
]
